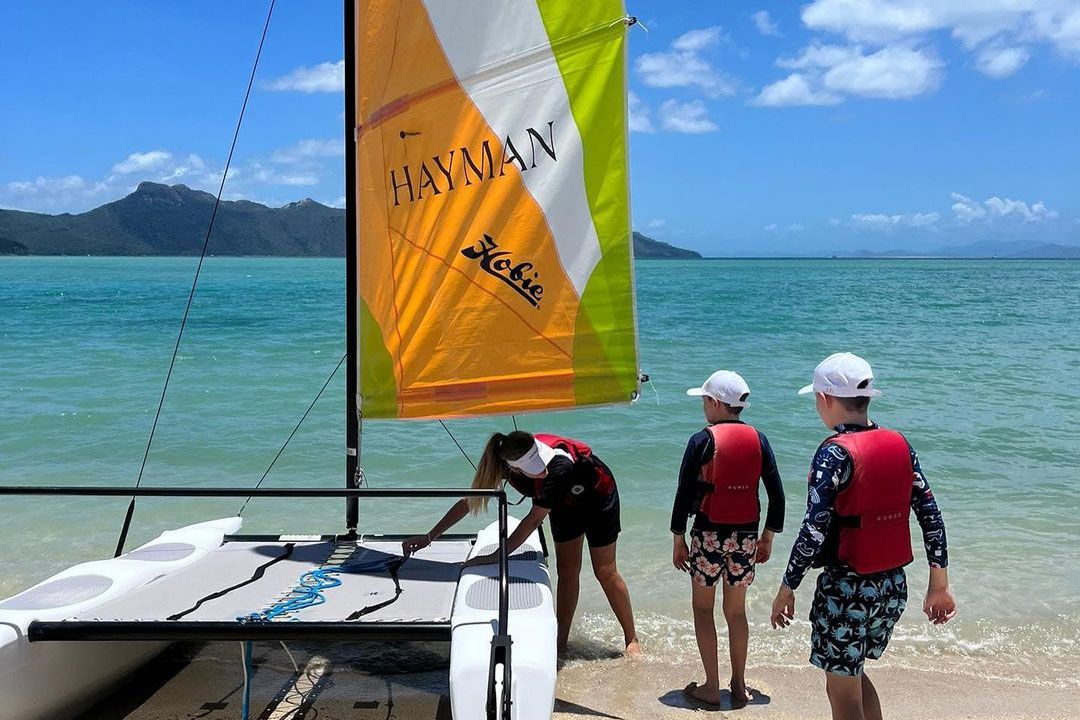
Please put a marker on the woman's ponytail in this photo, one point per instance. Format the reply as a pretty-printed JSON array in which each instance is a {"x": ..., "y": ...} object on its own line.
[{"x": 489, "y": 473}]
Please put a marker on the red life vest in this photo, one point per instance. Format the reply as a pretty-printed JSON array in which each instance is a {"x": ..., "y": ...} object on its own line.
[
  {"x": 733, "y": 475},
  {"x": 583, "y": 459},
  {"x": 873, "y": 511}
]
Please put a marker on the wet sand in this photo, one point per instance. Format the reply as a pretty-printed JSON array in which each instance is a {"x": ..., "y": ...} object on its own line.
[{"x": 365, "y": 683}]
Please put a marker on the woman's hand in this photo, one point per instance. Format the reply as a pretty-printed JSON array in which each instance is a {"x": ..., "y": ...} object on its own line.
[
  {"x": 416, "y": 542},
  {"x": 680, "y": 555},
  {"x": 783, "y": 607}
]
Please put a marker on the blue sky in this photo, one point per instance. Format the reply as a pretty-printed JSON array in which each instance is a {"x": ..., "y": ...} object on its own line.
[{"x": 759, "y": 128}]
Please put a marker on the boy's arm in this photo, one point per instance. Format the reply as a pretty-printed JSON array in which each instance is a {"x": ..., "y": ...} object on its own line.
[
  {"x": 699, "y": 450},
  {"x": 774, "y": 488},
  {"x": 939, "y": 605},
  {"x": 829, "y": 473},
  {"x": 927, "y": 513}
]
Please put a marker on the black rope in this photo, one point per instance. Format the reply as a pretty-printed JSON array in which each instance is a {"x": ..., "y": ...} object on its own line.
[
  {"x": 295, "y": 429},
  {"x": 198, "y": 269},
  {"x": 259, "y": 572},
  {"x": 514, "y": 418},
  {"x": 458, "y": 444},
  {"x": 392, "y": 567}
]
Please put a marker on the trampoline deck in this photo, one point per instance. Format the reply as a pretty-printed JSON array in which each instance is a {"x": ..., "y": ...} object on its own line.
[{"x": 247, "y": 590}]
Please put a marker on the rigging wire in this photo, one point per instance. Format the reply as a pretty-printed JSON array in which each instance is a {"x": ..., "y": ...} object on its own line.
[
  {"x": 294, "y": 431},
  {"x": 458, "y": 444},
  {"x": 198, "y": 269}
]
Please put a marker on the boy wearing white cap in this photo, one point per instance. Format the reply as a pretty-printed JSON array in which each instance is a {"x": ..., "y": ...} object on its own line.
[
  {"x": 864, "y": 482},
  {"x": 718, "y": 484}
]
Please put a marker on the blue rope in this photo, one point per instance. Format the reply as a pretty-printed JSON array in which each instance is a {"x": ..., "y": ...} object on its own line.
[{"x": 307, "y": 593}]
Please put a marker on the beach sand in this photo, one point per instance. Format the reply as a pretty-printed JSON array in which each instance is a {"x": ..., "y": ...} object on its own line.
[{"x": 369, "y": 682}]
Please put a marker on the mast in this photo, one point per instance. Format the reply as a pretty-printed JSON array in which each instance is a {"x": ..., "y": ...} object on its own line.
[{"x": 352, "y": 419}]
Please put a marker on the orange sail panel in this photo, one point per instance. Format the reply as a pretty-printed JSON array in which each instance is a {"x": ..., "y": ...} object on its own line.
[{"x": 493, "y": 215}]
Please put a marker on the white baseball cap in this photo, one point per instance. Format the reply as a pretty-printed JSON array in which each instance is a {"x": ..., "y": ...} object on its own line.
[
  {"x": 843, "y": 375},
  {"x": 535, "y": 459},
  {"x": 725, "y": 386}
]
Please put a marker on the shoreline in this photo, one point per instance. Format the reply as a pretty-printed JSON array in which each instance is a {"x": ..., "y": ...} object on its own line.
[{"x": 409, "y": 681}]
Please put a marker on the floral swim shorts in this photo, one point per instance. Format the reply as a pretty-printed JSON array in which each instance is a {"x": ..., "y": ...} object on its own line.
[{"x": 729, "y": 555}]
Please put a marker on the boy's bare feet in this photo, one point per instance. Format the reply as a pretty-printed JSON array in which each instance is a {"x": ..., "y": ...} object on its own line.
[
  {"x": 739, "y": 696},
  {"x": 703, "y": 693},
  {"x": 633, "y": 649}
]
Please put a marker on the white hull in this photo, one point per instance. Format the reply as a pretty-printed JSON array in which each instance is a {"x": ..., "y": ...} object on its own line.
[
  {"x": 532, "y": 629},
  {"x": 57, "y": 680}
]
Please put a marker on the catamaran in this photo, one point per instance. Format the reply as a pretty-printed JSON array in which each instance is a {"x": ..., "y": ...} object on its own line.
[{"x": 488, "y": 271}]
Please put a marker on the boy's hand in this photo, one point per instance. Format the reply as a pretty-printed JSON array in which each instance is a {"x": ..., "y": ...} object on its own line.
[
  {"x": 783, "y": 607},
  {"x": 764, "y": 550},
  {"x": 416, "y": 542},
  {"x": 680, "y": 555},
  {"x": 939, "y": 605}
]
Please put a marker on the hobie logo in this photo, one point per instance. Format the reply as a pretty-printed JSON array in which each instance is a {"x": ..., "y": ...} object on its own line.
[{"x": 521, "y": 276}]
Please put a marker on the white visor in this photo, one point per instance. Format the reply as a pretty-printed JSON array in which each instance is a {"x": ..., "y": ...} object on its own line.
[{"x": 531, "y": 463}]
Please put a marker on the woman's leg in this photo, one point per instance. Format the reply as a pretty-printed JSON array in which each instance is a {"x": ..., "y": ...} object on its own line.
[
  {"x": 603, "y": 562},
  {"x": 568, "y": 566}
]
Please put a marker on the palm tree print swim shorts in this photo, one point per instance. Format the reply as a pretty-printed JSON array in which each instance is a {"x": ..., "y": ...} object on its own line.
[{"x": 853, "y": 617}]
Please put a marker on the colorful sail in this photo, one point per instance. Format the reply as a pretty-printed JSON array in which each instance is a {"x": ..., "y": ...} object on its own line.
[{"x": 493, "y": 223}]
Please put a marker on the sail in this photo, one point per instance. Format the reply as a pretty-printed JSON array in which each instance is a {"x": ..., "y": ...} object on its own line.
[{"x": 493, "y": 222}]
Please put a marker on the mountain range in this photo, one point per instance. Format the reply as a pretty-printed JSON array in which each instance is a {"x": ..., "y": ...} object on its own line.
[{"x": 171, "y": 220}]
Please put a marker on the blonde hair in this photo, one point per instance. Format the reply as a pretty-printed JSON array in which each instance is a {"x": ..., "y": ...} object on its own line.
[{"x": 493, "y": 469}]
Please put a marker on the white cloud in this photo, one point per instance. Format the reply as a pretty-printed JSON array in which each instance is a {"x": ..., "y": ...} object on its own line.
[
  {"x": 1001, "y": 62},
  {"x": 795, "y": 89},
  {"x": 771, "y": 227},
  {"x": 324, "y": 77},
  {"x": 830, "y": 72},
  {"x": 967, "y": 211},
  {"x": 656, "y": 224},
  {"x": 640, "y": 119},
  {"x": 764, "y": 23},
  {"x": 1056, "y": 22},
  {"x": 892, "y": 73},
  {"x": 683, "y": 65},
  {"x": 270, "y": 176},
  {"x": 689, "y": 117},
  {"x": 880, "y": 221},
  {"x": 308, "y": 150},
  {"x": 141, "y": 162}
]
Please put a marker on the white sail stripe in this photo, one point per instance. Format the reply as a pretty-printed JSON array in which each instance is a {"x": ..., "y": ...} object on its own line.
[{"x": 513, "y": 79}]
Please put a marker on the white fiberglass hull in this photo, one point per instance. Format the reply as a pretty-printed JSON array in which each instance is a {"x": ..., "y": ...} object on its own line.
[
  {"x": 57, "y": 680},
  {"x": 532, "y": 629}
]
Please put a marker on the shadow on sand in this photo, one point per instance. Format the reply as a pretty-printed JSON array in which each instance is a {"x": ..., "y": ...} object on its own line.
[
  {"x": 570, "y": 708},
  {"x": 679, "y": 699}
]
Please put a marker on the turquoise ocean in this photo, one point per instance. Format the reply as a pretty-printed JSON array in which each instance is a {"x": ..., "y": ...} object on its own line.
[{"x": 979, "y": 362}]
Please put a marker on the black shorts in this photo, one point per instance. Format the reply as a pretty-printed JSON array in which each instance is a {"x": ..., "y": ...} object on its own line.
[{"x": 597, "y": 519}]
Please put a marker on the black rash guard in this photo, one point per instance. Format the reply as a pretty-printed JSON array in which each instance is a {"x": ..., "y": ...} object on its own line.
[{"x": 699, "y": 451}]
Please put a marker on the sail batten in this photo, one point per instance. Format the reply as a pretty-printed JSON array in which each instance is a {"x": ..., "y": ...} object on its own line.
[{"x": 494, "y": 260}]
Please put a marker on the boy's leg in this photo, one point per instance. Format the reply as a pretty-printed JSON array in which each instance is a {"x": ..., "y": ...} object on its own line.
[
  {"x": 870, "y": 702},
  {"x": 845, "y": 696},
  {"x": 704, "y": 602},
  {"x": 568, "y": 566},
  {"x": 738, "y": 639},
  {"x": 607, "y": 573},
  {"x": 739, "y": 550}
]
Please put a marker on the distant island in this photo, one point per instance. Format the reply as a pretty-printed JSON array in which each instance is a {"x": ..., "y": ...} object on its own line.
[{"x": 171, "y": 220}]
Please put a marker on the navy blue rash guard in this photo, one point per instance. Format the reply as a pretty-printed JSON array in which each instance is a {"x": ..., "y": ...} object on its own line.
[
  {"x": 699, "y": 451},
  {"x": 830, "y": 473}
]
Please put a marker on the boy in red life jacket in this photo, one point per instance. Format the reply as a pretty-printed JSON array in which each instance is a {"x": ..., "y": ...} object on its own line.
[
  {"x": 864, "y": 482},
  {"x": 718, "y": 484}
]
